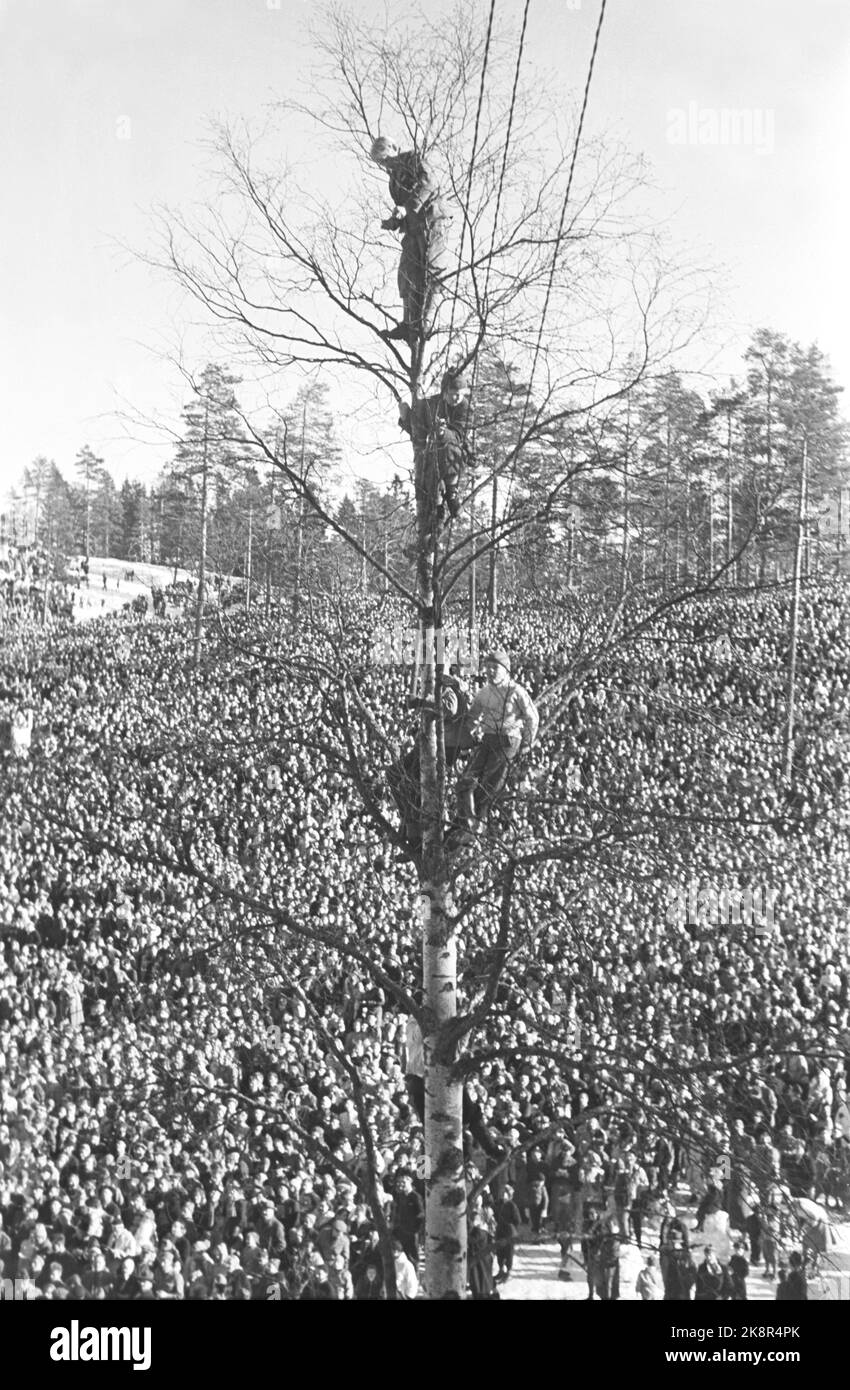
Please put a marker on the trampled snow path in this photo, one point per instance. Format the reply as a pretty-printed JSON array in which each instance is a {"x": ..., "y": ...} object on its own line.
[{"x": 535, "y": 1275}]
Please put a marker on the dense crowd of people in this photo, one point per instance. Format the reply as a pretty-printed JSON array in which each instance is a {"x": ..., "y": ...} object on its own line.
[
  {"x": 30, "y": 588},
  {"x": 177, "y": 1120}
]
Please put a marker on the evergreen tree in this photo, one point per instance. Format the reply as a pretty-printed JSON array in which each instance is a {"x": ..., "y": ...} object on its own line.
[
  {"x": 35, "y": 482},
  {"x": 313, "y": 453},
  {"x": 89, "y": 469},
  {"x": 210, "y": 453},
  {"x": 672, "y": 427},
  {"x": 130, "y": 541},
  {"x": 790, "y": 397},
  {"x": 503, "y": 491},
  {"x": 106, "y": 514},
  {"x": 178, "y": 516}
]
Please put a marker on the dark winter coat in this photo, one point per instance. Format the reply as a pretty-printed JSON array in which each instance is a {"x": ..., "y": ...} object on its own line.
[
  {"x": 710, "y": 1284},
  {"x": 480, "y": 1264}
]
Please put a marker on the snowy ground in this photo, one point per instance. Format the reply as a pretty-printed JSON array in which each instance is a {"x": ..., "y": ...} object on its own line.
[
  {"x": 96, "y": 601},
  {"x": 536, "y": 1266}
]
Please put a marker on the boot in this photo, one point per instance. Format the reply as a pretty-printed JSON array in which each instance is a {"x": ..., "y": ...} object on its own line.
[
  {"x": 452, "y": 503},
  {"x": 402, "y": 333}
]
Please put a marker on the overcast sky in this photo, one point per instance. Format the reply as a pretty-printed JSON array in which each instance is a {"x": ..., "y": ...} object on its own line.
[{"x": 103, "y": 104}]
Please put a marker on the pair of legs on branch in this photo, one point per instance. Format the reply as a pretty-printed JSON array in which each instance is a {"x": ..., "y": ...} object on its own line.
[
  {"x": 438, "y": 471},
  {"x": 478, "y": 787},
  {"x": 421, "y": 268},
  {"x": 438, "y": 476},
  {"x": 404, "y": 783},
  {"x": 483, "y": 781}
]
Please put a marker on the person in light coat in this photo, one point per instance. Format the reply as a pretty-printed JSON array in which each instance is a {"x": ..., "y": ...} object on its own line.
[
  {"x": 406, "y": 1282},
  {"x": 648, "y": 1283}
]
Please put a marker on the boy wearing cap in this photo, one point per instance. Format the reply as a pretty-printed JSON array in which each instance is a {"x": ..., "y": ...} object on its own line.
[{"x": 503, "y": 719}]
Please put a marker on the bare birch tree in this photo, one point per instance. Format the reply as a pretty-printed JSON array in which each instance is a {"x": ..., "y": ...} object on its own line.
[{"x": 295, "y": 276}]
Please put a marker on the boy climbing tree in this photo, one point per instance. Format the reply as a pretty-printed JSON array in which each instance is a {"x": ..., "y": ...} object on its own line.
[
  {"x": 422, "y": 224},
  {"x": 503, "y": 721},
  {"x": 404, "y": 776},
  {"x": 438, "y": 427}
]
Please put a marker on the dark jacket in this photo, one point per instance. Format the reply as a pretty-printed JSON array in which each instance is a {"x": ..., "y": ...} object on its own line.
[
  {"x": 440, "y": 433},
  {"x": 507, "y": 1221},
  {"x": 272, "y": 1235},
  {"x": 792, "y": 1289},
  {"x": 456, "y": 702},
  {"x": 679, "y": 1276},
  {"x": 408, "y": 1213},
  {"x": 738, "y": 1271},
  {"x": 411, "y": 184},
  {"x": 480, "y": 1265},
  {"x": 126, "y": 1289},
  {"x": 366, "y": 1290},
  {"x": 710, "y": 1284}
]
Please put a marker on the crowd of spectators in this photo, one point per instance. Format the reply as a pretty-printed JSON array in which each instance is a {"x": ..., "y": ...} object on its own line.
[
  {"x": 176, "y": 1116},
  {"x": 30, "y": 588}
]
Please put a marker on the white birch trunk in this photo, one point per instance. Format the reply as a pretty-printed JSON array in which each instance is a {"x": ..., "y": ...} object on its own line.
[{"x": 445, "y": 1188}]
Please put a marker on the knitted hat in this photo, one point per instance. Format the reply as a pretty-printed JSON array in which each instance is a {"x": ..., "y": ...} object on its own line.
[{"x": 382, "y": 148}]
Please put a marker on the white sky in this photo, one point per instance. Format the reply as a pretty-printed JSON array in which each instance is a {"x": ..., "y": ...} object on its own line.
[{"x": 103, "y": 105}]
